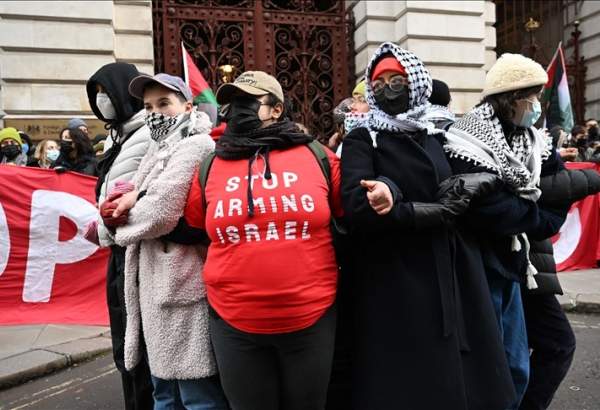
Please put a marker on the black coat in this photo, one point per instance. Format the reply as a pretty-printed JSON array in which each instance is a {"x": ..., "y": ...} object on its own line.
[
  {"x": 85, "y": 165},
  {"x": 426, "y": 334}
]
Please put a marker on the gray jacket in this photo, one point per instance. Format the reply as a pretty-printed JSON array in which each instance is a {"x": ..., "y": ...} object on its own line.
[{"x": 164, "y": 291}]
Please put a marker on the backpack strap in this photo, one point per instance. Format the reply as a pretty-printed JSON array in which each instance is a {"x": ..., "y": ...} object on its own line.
[
  {"x": 203, "y": 175},
  {"x": 319, "y": 152}
]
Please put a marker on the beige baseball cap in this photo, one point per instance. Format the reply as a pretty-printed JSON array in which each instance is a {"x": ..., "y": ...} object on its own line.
[{"x": 250, "y": 82}]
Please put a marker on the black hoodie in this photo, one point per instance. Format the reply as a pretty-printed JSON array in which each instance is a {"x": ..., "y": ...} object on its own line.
[{"x": 115, "y": 79}]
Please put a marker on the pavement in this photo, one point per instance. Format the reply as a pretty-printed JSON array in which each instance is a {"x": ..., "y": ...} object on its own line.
[{"x": 28, "y": 352}]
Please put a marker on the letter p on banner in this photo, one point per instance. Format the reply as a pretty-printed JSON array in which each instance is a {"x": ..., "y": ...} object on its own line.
[{"x": 45, "y": 248}]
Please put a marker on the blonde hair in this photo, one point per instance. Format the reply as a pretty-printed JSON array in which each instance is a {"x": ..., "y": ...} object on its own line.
[{"x": 40, "y": 153}]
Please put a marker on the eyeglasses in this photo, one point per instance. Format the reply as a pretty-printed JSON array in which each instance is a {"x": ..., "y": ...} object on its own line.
[{"x": 397, "y": 83}]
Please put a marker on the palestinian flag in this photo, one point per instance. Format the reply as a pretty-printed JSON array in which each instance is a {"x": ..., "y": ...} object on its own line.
[
  {"x": 556, "y": 97},
  {"x": 195, "y": 80}
]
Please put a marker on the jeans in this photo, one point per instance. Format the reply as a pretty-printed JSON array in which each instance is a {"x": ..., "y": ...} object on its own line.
[
  {"x": 553, "y": 344},
  {"x": 506, "y": 298},
  {"x": 195, "y": 394}
]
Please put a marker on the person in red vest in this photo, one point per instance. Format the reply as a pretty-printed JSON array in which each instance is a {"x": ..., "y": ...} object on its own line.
[{"x": 271, "y": 273}]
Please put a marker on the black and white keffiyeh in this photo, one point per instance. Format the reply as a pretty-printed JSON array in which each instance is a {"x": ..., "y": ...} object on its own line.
[
  {"x": 419, "y": 88},
  {"x": 478, "y": 137},
  {"x": 439, "y": 113},
  {"x": 160, "y": 125}
]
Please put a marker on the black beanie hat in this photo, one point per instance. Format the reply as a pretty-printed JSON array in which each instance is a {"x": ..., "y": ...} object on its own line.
[{"x": 440, "y": 94}]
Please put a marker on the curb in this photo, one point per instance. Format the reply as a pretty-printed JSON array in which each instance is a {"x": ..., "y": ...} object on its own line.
[
  {"x": 17, "y": 369},
  {"x": 573, "y": 302}
]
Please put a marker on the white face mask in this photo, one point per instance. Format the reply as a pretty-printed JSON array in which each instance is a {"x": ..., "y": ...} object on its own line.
[{"x": 105, "y": 106}]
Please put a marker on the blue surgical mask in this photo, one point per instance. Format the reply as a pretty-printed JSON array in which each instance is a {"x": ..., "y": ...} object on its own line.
[
  {"x": 53, "y": 155},
  {"x": 25, "y": 149},
  {"x": 530, "y": 117}
]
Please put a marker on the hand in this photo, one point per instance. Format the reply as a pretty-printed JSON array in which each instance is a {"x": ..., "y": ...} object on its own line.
[
  {"x": 124, "y": 203},
  {"x": 379, "y": 196},
  {"x": 335, "y": 140},
  {"x": 107, "y": 209},
  {"x": 469, "y": 186},
  {"x": 60, "y": 169}
]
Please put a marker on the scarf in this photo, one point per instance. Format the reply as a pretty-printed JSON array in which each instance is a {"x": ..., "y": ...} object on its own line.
[
  {"x": 439, "y": 113},
  {"x": 419, "y": 88},
  {"x": 478, "y": 137},
  {"x": 251, "y": 145}
]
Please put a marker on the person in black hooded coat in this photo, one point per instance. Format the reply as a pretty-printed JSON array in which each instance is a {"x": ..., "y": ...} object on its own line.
[
  {"x": 425, "y": 331},
  {"x": 127, "y": 143}
]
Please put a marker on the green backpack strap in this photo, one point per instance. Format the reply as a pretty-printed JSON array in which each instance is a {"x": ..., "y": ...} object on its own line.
[
  {"x": 203, "y": 175},
  {"x": 319, "y": 152}
]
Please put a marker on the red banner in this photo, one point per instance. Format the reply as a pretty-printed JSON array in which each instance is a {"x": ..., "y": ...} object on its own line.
[
  {"x": 577, "y": 245},
  {"x": 48, "y": 272}
]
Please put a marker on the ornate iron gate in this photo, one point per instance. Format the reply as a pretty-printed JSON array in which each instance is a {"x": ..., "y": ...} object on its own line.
[{"x": 306, "y": 44}]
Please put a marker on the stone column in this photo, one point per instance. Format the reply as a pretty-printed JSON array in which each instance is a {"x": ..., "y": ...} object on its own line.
[{"x": 455, "y": 39}]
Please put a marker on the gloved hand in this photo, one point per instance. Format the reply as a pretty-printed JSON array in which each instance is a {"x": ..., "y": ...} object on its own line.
[
  {"x": 90, "y": 232},
  {"x": 106, "y": 213},
  {"x": 454, "y": 196},
  {"x": 120, "y": 188},
  {"x": 470, "y": 186},
  {"x": 60, "y": 169}
]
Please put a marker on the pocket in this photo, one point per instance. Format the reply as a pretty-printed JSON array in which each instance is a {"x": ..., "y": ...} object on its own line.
[{"x": 176, "y": 276}]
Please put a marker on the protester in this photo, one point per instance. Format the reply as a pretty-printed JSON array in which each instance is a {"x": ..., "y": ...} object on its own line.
[
  {"x": 498, "y": 137},
  {"x": 165, "y": 296},
  {"x": 11, "y": 148},
  {"x": 579, "y": 141},
  {"x": 98, "y": 144},
  {"x": 79, "y": 123},
  {"x": 76, "y": 153},
  {"x": 28, "y": 147},
  {"x": 591, "y": 126},
  {"x": 559, "y": 142},
  {"x": 128, "y": 142},
  {"x": 419, "y": 341},
  {"x": 357, "y": 114},
  {"x": 270, "y": 193},
  {"x": 439, "y": 113},
  {"x": 551, "y": 339},
  {"x": 46, "y": 152}
]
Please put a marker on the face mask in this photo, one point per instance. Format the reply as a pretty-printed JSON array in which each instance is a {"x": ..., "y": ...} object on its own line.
[
  {"x": 353, "y": 120},
  {"x": 25, "y": 148},
  {"x": 65, "y": 147},
  {"x": 593, "y": 133},
  {"x": 392, "y": 102},
  {"x": 161, "y": 125},
  {"x": 243, "y": 115},
  {"x": 11, "y": 151},
  {"x": 53, "y": 155},
  {"x": 581, "y": 142},
  {"x": 105, "y": 106},
  {"x": 530, "y": 117}
]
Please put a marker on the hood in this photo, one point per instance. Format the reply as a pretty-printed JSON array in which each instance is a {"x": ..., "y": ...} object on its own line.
[
  {"x": 419, "y": 79},
  {"x": 115, "y": 79}
]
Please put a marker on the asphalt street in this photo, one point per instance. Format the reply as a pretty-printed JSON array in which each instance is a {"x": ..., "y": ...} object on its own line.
[{"x": 96, "y": 384}]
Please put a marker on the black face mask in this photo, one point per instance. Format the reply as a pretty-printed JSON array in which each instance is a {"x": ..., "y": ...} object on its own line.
[
  {"x": 11, "y": 151},
  {"x": 243, "y": 115},
  {"x": 65, "y": 147},
  {"x": 581, "y": 142},
  {"x": 392, "y": 102},
  {"x": 593, "y": 133}
]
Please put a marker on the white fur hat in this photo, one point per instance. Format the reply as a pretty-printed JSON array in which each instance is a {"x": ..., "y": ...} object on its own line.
[{"x": 513, "y": 72}]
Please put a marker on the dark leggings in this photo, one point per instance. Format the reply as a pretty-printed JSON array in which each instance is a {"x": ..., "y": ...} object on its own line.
[
  {"x": 286, "y": 371},
  {"x": 553, "y": 343}
]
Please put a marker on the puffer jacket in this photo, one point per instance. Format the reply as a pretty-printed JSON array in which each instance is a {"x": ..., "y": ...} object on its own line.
[
  {"x": 559, "y": 192},
  {"x": 164, "y": 292}
]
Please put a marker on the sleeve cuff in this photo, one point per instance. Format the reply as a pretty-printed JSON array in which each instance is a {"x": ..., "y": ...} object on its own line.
[{"x": 396, "y": 193}]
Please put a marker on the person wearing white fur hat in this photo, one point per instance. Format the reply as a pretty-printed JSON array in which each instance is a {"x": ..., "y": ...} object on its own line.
[{"x": 498, "y": 136}]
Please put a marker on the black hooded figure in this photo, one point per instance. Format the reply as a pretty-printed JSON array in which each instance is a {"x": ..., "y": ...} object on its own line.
[
  {"x": 125, "y": 146},
  {"x": 425, "y": 331}
]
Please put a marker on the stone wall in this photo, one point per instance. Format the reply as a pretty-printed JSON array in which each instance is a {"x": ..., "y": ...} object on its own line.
[
  {"x": 588, "y": 14},
  {"x": 455, "y": 39},
  {"x": 48, "y": 50}
]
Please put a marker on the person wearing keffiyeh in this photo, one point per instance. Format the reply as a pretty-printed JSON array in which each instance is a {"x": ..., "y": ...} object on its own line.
[
  {"x": 425, "y": 334},
  {"x": 498, "y": 137}
]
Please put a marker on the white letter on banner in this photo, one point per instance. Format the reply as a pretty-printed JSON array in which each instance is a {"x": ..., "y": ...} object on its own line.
[
  {"x": 4, "y": 241},
  {"x": 45, "y": 250}
]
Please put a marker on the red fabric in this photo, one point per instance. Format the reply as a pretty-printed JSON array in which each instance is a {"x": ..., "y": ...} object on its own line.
[
  {"x": 48, "y": 272},
  {"x": 275, "y": 272},
  {"x": 577, "y": 245},
  {"x": 216, "y": 132},
  {"x": 387, "y": 64}
]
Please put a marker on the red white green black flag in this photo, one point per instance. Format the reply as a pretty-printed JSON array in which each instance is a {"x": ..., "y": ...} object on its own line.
[
  {"x": 556, "y": 97},
  {"x": 195, "y": 80}
]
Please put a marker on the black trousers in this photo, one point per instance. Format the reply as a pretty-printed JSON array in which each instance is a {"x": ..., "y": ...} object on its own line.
[
  {"x": 285, "y": 371},
  {"x": 553, "y": 343},
  {"x": 137, "y": 384}
]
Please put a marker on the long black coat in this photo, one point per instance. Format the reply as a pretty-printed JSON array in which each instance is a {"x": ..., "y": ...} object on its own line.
[{"x": 426, "y": 334}]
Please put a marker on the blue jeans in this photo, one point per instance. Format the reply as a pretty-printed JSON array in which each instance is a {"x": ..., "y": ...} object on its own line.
[
  {"x": 195, "y": 394},
  {"x": 506, "y": 297}
]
